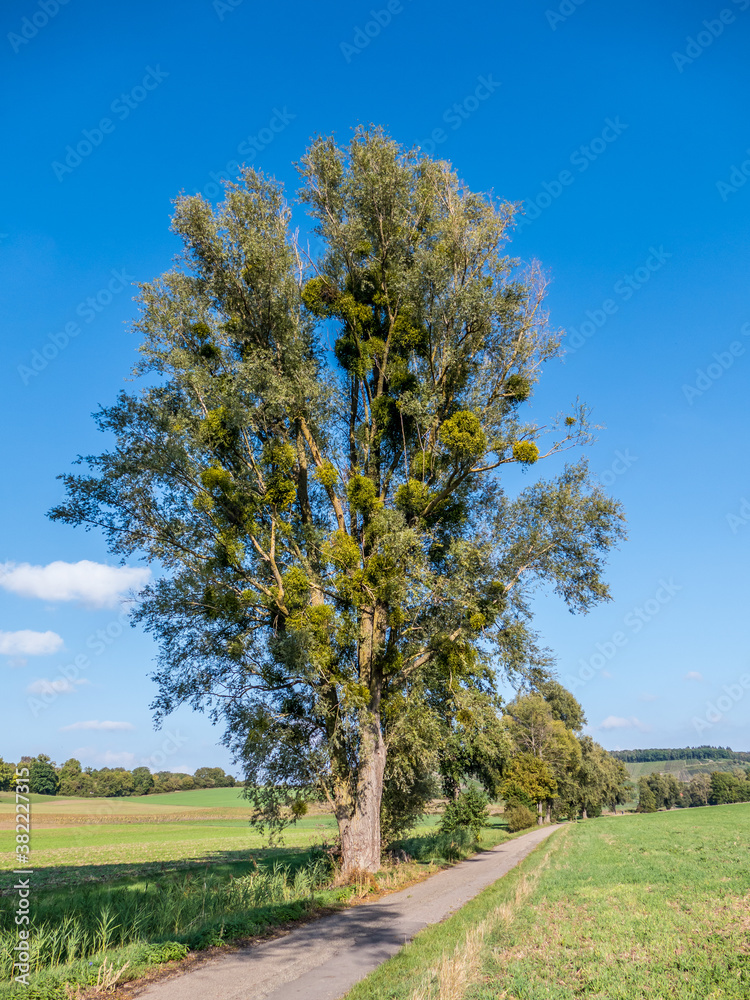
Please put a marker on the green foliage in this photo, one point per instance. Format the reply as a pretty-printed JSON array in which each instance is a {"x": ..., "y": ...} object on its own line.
[
  {"x": 7, "y": 774},
  {"x": 529, "y": 779},
  {"x": 518, "y": 388},
  {"x": 72, "y": 779},
  {"x": 143, "y": 781},
  {"x": 683, "y": 753},
  {"x": 463, "y": 436},
  {"x": 362, "y": 495},
  {"x": 519, "y": 817},
  {"x": 526, "y": 452},
  {"x": 562, "y": 703},
  {"x": 333, "y": 527},
  {"x": 43, "y": 777},
  {"x": 726, "y": 788},
  {"x": 327, "y": 475},
  {"x": 469, "y": 811},
  {"x": 441, "y": 846}
]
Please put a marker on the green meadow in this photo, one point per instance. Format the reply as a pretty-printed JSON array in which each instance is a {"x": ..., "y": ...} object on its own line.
[
  {"x": 123, "y": 885},
  {"x": 618, "y": 908}
]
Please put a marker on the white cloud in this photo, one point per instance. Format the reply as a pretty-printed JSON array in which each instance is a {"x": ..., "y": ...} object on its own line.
[
  {"x": 91, "y": 583},
  {"x": 693, "y": 675},
  {"x": 60, "y": 685},
  {"x": 617, "y": 722},
  {"x": 93, "y": 724},
  {"x": 28, "y": 643}
]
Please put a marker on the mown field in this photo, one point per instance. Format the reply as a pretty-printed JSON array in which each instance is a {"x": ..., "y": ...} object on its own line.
[
  {"x": 75, "y": 841},
  {"x": 619, "y": 908}
]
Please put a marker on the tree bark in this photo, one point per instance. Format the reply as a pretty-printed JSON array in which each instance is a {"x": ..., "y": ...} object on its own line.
[
  {"x": 549, "y": 813},
  {"x": 359, "y": 820},
  {"x": 539, "y": 813}
]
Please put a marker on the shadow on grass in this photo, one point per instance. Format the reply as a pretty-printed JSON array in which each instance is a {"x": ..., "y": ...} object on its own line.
[{"x": 221, "y": 863}]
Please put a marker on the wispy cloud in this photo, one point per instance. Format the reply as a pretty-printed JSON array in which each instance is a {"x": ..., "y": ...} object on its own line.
[
  {"x": 648, "y": 697},
  {"x": 60, "y": 685},
  {"x": 28, "y": 643},
  {"x": 693, "y": 675},
  {"x": 93, "y": 724},
  {"x": 90, "y": 583},
  {"x": 618, "y": 722}
]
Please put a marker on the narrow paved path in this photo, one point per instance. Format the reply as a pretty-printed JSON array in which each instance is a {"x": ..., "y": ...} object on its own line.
[{"x": 323, "y": 959}]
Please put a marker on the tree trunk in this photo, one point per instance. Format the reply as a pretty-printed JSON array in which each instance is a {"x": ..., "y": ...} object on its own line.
[
  {"x": 585, "y": 814},
  {"x": 539, "y": 813},
  {"x": 359, "y": 820},
  {"x": 549, "y": 813}
]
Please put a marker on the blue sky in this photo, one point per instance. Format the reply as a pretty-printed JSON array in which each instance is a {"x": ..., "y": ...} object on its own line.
[{"x": 625, "y": 130}]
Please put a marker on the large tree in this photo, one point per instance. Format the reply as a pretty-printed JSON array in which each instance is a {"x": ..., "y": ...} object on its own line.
[
  {"x": 43, "y": 777},
  {"x": 315, "y": 461}
]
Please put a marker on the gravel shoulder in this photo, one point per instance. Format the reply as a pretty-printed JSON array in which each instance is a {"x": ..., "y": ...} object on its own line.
[{"x": 323, "y": 959}]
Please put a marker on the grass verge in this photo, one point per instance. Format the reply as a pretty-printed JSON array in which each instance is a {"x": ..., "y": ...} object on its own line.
[{"x": 626, "y": 908}]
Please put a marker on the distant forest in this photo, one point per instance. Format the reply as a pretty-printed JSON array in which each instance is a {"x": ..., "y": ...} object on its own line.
[{"x": 686, "y": 753}]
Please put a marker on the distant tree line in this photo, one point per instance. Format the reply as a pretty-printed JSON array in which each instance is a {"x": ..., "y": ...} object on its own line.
[
  {"x": 664, "y": 791},
  {"x": 46, "y": 778},
  {"x": 685, "y": 753}
]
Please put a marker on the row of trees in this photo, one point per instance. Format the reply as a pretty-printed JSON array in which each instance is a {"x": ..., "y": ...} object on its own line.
[
  {"x": 530, "y": 753},
  {"x": 664, "y": 791},
  {"x": 553, "y": 768},
  {"x": 45, "y": 778},
  {"x": 686, "y": 753}
]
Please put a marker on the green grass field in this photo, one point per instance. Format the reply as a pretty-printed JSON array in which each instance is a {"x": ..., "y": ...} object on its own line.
[
  {"x": 140, "y": 805},
  {"x": 148, "y": 880},
  {"x": 83, "y": 840},
  {"x": 618, "y": 908}
]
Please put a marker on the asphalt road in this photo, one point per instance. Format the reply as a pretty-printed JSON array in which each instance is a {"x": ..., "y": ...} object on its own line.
[{"x": 323, "y": 959}]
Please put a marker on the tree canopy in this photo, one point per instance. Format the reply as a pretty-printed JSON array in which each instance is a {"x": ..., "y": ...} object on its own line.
[{"x": 315, "y": 462}]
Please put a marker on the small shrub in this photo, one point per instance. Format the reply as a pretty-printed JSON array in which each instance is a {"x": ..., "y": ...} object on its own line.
[
  {"x": 169, "y": 951},
  {"x": 469, "y": 812},
  {"x": 519, "y": 818}
]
